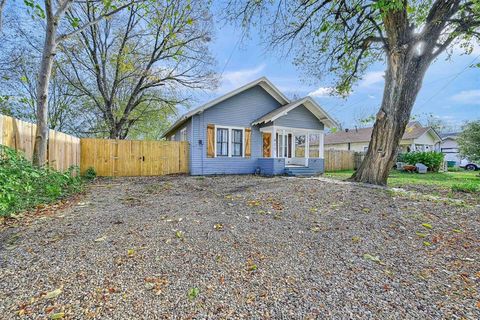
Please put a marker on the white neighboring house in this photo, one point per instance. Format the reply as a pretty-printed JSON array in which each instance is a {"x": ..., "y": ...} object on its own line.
[
  {"x": 449, "y": 147},
  {"x": 415, "y": 138}
]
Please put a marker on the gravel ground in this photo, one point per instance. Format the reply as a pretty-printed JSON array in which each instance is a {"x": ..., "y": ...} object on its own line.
[{"x": 243, "y": 247}]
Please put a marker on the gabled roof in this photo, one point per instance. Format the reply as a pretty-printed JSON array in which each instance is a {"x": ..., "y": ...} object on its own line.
[
  {"x": 414, "y": 130},
  {"x": 308, "y": 102},
  {"x": 449, "y": 135},
  {"x": 263, "y": 82}
]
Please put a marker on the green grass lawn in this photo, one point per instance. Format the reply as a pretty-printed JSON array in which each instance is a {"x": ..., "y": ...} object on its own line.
[{"x": 445, "y": 180}]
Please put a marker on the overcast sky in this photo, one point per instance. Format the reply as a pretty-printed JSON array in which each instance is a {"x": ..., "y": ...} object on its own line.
[{"x": 451, "y": 89}]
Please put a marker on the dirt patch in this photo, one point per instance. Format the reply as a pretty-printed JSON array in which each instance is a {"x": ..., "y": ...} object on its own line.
[{"x": 243, "y": 246}]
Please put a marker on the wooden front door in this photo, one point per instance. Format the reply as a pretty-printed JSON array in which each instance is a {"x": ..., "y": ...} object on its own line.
[{"x": 267, "y": 144}]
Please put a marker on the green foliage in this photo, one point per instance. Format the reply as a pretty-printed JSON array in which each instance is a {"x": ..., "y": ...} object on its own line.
[
  {"x": 90, "y": 174},
  {"x": 23, "y": 186},
  {"x": 433, "y": 160},
  {"x": 469, "y": 141},
  {"x": 193, "y": 293},
  {"x": 469, "y": 187}
]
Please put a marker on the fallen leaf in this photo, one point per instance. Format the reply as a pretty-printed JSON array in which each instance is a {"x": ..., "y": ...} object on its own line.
[
  {"x": 426, "y": 244},
  {"x": 427, "y": 225},
  {"x": 375, "y": 259},
  {"x": 101, "y": 239},
  {"x": 131, "y": 252},
  {"x": 53, "y": 294},
  {"x": 58, "y": 315},
  {"x": 421, "y": 235}
]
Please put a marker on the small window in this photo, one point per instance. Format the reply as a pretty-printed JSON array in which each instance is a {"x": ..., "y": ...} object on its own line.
[
  {"x": 222, "y": 142},
  {"x": 183, "y": 134},
  {"x": 237, "y": 142}
]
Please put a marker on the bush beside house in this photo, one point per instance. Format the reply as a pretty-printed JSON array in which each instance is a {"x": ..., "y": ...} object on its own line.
[{"x": 433, "y": 160}]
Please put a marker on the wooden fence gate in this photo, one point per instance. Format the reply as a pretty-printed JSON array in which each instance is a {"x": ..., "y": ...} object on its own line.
[{"x": 124, "y": 158}]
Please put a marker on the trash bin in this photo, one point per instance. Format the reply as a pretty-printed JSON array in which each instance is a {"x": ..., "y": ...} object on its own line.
[{"x": 421, "y": 168}]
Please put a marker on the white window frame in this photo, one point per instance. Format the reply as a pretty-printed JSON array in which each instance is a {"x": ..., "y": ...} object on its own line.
[
  {"x": 230, "y": 141},
  {"x": 183, "y": 134}
]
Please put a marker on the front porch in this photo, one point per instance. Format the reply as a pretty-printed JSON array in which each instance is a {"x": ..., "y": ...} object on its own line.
[{"x": 291, "y": 151}]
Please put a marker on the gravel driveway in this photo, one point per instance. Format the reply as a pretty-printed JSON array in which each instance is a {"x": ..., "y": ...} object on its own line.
[{"x": 243, "y": 247}]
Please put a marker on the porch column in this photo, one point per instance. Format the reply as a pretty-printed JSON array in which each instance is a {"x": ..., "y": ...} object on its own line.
[
  {"x": 412, "y": 147},
  {"x": 320, "y": 147},
  {"x": 307, "y": 146},
  {"x": 274, "y": 142}
]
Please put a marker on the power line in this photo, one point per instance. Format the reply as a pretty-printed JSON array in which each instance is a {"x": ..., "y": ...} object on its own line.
[{"x": 448, "y": 83}]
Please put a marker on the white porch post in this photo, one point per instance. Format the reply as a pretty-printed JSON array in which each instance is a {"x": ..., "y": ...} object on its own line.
[
  {"x": 321, "y": 147},
  {"x": 412, "y": 147},
  {"x": 274, "y": 142}
]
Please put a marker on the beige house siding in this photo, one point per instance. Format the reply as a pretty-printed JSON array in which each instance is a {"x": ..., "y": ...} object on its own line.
[{"x": 361, "y": 146}]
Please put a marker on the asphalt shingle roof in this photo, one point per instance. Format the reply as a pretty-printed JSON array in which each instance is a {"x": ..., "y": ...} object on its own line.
[{"x": 413, "y": 131}]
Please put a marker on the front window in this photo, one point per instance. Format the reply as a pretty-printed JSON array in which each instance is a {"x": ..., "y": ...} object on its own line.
[
  {"x": 222, "y": 142},
  {"x": 237, "y": 142},
  {"x": 314, "y": 145},
  {"x": 300, "y": 146}
]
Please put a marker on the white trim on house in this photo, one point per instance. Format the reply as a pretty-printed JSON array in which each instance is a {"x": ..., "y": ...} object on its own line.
[
  {"x": 183, "y": 134},
  {"x": 284, "y": 131},
  {"x": 229, "y": 142},
  {"x": 263, "y": 82},
  {"x": 309, "y": 103}
]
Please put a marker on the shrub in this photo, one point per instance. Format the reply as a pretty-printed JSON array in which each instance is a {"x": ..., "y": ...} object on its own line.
[
  {"x": 433, "y": 160},
  {"x": 23, "y": 186},
  {"x": 469, "y": 187},
  {"x": 90, "y": 174}
]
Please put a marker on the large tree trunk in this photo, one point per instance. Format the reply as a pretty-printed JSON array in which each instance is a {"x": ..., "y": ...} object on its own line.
[
  {"x": 48, "y": 56},
  {"x": 403, "y": 81}
]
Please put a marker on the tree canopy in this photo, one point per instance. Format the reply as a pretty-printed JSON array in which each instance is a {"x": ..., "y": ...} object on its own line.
[
  {"x": 343, "y": 37},
  {"x": 469, "y": 141}
]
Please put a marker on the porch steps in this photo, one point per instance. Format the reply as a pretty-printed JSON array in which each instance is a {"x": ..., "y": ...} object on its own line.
[{"x": 300, "y": 171}]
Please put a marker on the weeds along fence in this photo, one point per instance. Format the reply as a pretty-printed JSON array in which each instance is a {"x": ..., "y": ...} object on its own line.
[
  {"x": 336, "y": 160},
  {"x": 63, "y": 149}
]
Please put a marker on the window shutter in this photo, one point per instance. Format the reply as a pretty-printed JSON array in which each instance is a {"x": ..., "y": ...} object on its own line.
[
  {"x": 267, "y": 138},
  {"x": 210, "y": 140},
  {"x": 248, "y": 143}
]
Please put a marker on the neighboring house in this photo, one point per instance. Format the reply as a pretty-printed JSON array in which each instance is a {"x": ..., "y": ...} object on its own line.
[
  {"x": 254, "y": 129},
  {"x": 449, "y": 147},
  {"x": 415, "y": 138}
]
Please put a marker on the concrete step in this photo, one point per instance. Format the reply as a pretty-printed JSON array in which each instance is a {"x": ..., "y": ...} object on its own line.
[{"x": 300, "y": 171}]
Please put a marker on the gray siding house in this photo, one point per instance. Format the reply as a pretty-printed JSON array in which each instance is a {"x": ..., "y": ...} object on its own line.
[{"x": 254, "y": 129}]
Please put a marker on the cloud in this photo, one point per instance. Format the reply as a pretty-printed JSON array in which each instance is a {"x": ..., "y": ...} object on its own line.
[
  {"x": 467, "y": 97},
  {"x": 372, "y": 78},
  {"x": 322, "y": 92},
  {"x": 231, "y": 80}
]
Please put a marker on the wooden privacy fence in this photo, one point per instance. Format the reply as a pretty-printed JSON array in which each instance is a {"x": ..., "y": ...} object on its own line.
[
  {"x": 342, "y": 160},
  {"x": 63, "y": 149},
  {"x": 134, "y": 158}
]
